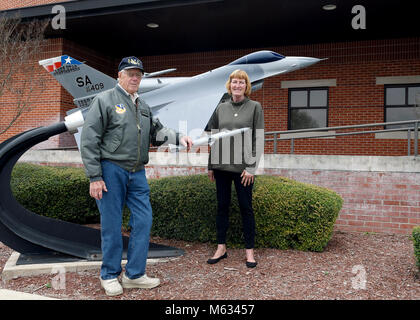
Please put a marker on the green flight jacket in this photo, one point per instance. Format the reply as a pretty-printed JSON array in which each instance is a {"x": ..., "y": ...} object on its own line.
[{"x": 120, "y": 131}]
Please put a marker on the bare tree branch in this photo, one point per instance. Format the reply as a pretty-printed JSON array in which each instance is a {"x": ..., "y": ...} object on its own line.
[{"x": 20, "y": 43}]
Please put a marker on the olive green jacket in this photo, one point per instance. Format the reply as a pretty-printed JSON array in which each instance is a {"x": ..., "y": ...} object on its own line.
[
  {"x": 118, "y": 130},
  {"x": 231, "y": 155}
]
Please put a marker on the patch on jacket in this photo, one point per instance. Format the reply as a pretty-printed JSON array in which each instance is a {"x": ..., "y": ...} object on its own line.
[{"x": 120, "y": 108}]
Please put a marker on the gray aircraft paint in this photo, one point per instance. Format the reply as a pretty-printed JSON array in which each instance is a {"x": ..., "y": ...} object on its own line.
[{"x": 182, "y": 103}]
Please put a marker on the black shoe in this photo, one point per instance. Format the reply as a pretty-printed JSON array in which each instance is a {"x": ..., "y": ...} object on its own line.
[
  {"x": 213, "y": 261},
  {"x": 251, "y": 264}
]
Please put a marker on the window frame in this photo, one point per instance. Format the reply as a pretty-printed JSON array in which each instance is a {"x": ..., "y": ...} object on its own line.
[
  {"x": 308, "y": 90},
  {"x": 391, "y": 86}
]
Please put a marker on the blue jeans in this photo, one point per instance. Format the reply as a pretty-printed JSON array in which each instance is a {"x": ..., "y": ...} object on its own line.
[{"x": 132, "y": 189}]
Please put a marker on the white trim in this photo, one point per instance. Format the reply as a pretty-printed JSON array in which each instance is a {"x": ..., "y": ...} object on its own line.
[
  {"x": 268, "y": 161},
  {"x": 397, "y": 80},
  {"x": 324, "y": 135},
  {"x": 309, "y": 83},
  {"x": 343, "y": 163},
  {"x": 394, "y": 135}
]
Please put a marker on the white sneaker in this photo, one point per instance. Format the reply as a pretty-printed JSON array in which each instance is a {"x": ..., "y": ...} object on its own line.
[
  {"x": 144, "y": 282},
  {"x": 112, "y": 287}
]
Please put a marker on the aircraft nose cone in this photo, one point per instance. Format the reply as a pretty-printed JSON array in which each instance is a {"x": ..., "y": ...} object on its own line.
[{"x": 306, "y": 62}]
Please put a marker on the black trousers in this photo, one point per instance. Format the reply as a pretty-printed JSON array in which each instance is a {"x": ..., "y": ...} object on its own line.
[{"x": 223, "y": 186}]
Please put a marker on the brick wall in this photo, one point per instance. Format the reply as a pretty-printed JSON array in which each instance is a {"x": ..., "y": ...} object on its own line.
[
  {"x": 45, "y": 103},
  {"x": 380, "y": 195},
  {"x": 383, "y": 202},
  {"x": 355, "y": 100},
  {"x": 13, "y": 4},
  {"x": 51, "y": 104},
  {"x": 380, "y": 202},
  {"x": 374, "y": 201}
]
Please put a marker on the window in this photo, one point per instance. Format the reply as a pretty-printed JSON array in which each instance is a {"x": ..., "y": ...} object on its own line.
[
  {"x": 308, "y": 108},
  {"x": 400, "y": 101}
]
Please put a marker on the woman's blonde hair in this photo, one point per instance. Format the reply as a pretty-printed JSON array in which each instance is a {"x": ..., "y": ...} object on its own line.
[{"x": 239, "y": 74}]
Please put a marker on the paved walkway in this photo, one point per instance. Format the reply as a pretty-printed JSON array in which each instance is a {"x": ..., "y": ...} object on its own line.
[{"x": 15, "y": 295}]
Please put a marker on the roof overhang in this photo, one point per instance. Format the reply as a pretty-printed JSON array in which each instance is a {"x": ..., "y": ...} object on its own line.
[{"x": 120, "y": 27}]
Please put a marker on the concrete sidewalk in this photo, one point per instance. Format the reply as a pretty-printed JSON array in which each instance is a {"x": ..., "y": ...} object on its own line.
[
  {"x": 12, "y": 270},
  {"x": 16, "y": 295}
]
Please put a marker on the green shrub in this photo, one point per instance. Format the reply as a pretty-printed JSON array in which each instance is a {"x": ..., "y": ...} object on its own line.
[
  {"x": 416, "y": 240},
  {"x": 288, "y": 214},
  {"x": 56, "y": 192}
]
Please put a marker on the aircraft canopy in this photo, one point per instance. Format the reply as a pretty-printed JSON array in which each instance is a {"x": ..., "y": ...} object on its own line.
[{"x": 258, "y": 57}]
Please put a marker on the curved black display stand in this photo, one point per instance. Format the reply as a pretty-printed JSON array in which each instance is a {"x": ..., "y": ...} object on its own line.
[{"x": 30, "y": 233}]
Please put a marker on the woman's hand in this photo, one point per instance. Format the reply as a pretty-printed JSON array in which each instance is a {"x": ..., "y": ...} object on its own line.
[
  {"x": 247, "y": 178},
  {"x": 210, "y": 174}
]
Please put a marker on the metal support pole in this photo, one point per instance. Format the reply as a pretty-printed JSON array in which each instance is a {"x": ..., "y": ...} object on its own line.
[
  {"x": 275, "y": 143},
  {"x": 416, "y": 138},
  {"x": 292, "y": 146},
  {"x": 408, "y": 142}
]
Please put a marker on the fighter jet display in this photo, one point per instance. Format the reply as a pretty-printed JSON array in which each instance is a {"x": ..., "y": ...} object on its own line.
[
  {"x": 191, "y": 100},
  {"x": 182, "y": 103}
]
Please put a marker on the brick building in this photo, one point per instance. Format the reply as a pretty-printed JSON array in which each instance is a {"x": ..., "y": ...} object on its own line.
[
  {"x": 372, "y": 74},
  {"x": 353, "y": 83}
]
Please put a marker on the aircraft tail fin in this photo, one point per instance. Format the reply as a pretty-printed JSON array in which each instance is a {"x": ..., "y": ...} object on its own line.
[{"x": 80, "y": 80}]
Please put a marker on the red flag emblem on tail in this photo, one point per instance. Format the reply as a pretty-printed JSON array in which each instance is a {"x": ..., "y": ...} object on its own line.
[{"x": 52, "y": 64}]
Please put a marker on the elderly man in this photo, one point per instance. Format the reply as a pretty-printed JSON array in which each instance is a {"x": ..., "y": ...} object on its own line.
[{"x": 115, "y": 143}]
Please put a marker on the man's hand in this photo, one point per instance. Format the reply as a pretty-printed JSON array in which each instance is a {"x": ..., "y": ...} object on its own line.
[
  {"x": 247, "y": 178},
  {"x": 186, "y": 142},
  {"x": 96, "y": 188}
]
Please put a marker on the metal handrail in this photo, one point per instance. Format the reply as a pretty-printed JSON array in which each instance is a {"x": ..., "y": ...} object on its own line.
[{"x": 415, "y": 128}]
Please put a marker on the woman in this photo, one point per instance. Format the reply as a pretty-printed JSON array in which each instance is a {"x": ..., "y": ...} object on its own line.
[{"x": 237, "y": 112}]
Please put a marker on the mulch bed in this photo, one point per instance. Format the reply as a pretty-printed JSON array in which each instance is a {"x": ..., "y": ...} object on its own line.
[{"x": 354, "y": 266}]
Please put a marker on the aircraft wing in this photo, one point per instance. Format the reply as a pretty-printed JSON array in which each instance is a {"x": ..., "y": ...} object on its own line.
[
  {"x": 189, "y": 116},
  {"x": 187, "y": 106}
]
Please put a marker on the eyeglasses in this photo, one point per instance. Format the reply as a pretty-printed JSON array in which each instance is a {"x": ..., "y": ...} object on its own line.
[{"x": 132, "y": 74}]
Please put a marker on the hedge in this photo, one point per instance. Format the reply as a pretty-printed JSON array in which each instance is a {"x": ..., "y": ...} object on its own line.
[
  {"x": 288, "y": 214},
  {"x": 416, "y": 240},
  {"x": 56, "y": 192}
]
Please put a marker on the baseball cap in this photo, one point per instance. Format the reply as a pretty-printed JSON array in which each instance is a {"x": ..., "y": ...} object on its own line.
[{"x": 130, "y": 63}]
